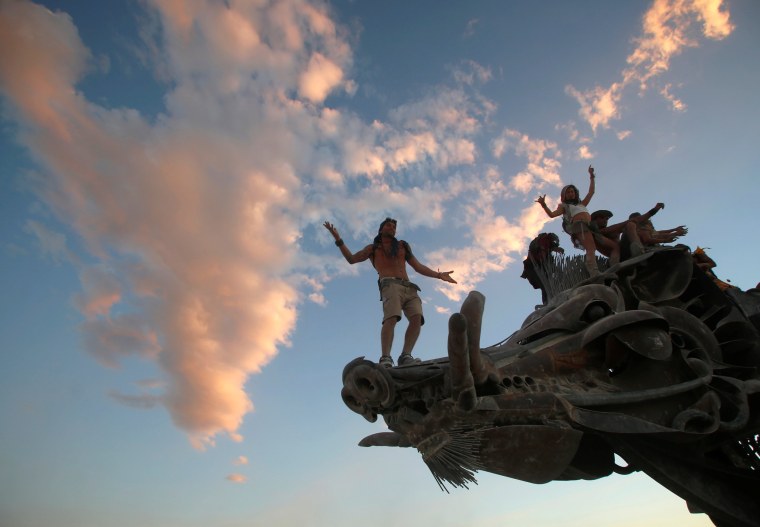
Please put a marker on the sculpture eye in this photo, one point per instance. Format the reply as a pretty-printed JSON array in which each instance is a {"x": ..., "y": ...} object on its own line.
[{"x": 595, "y": 311}]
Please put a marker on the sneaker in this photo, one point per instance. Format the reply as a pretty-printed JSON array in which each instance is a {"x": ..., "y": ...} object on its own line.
[
  {"x": 406, "y": 359},
  {"x": 386, "y": 362}
]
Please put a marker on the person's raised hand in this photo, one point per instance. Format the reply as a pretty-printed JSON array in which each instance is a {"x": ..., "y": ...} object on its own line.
[{"x": 330, "y": 227}]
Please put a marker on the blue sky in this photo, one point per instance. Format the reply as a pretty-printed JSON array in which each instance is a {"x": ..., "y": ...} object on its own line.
[{"x": 175, "y": 319}]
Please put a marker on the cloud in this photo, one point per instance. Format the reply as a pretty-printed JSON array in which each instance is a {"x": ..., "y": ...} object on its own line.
[
  {"x": 542, "y": 156},
  {"x": 236, "y": 478},
  {"x": 471, "y": 73},
  {"x": 668, "y": 28},
  {"x": 469, "y": 29},
  {"x": 497, "y": 239},
  {"x": 188, "y": 218},
  {"x": 191, "y": 219},
  {"x": 584, "y": 152},
  {"x": 52, "y": 244},
  {"x": 320, "y": 78},
  {"x": 240, "y": 460}
]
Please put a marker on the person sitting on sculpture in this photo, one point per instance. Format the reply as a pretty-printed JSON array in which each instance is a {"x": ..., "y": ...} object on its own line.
[
  {"x": 539, "y": 252},
  {"x": 576, "y": 219},
  {"x": 610, "y": 237},
  {"x": 389, "y": 257},
  {"x": 707, "y": 264},
  {"x": 646, "y": 236}
]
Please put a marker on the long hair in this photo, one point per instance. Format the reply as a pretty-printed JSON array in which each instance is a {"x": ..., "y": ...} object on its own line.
[
  {"x": 378, "y": 239},
  {"x": 564, "y": 192}
]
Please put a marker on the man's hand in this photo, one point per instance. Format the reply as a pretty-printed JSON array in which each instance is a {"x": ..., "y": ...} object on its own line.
[
  {"x": 446, "y": 277},
  {"x": 330, "y": 227}
]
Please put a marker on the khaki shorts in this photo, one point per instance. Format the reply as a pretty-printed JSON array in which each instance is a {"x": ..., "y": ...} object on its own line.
[{"x": 398, "y": 298}]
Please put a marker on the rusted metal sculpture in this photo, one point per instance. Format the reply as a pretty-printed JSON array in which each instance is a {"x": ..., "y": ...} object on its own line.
[{"x": 649, "y": 361}]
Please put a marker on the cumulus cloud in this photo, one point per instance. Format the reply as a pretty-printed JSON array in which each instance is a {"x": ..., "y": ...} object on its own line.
[
  {"x": 191, "y": 219},
  {"x": 186, "y": 217},
  {"x": 668, "y": 28}
]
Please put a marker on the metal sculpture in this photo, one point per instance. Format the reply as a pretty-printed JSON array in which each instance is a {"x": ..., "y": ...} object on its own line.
[{"x": 649, "y": 361}]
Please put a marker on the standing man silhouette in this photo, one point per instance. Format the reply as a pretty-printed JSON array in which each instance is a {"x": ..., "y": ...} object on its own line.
[{"x": 389, "y": 257}]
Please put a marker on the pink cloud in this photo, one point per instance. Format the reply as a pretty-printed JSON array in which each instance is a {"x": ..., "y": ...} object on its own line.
[
  {"x": 188, "y": 225},
  {"x": 668, "y": 28},
  {"x": 236, "y": 478},
  {"x": 319, "y": 79}
]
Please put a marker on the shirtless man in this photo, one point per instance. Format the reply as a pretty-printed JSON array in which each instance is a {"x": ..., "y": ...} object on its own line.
[
  {"x": 647, "y": 236},
  {"x": 608, "y": 237},
  {"x": 389, "y": 257}
]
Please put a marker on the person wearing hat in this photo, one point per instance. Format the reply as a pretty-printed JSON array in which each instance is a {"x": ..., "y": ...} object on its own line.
[
  {"x": 624, "y": 234},
  {"x": 636, "y": 240},
  {"x": 389, "y": 257},
  {"x": 606, "y": 238}
]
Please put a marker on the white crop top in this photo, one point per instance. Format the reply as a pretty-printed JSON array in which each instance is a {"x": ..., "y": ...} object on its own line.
[{"x": 572, "y": 210}]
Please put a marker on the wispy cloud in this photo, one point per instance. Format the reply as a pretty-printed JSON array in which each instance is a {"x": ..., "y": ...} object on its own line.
[
  {"x": 668, "y": 28},
  {"x": 52, "y": 244},
  {"x": 236, "y": 478},
  {"x": 469, "y": 29},
  {"x": 496, "y": 238}
]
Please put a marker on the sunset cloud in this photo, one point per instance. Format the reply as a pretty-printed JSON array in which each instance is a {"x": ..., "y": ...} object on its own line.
[
  {"x": 668, "y": 28},
  {"x": 186, "y": 222},
  {"x": 192, "y": 219},
  {"x": 237, "y": 478}
]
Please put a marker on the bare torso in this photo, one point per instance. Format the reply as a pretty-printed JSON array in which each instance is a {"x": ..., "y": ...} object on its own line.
[{"x": 388, "y": 266}]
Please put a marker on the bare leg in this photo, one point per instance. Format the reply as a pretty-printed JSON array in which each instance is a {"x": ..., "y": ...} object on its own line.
[
  {"x": 632, "y": 233},
  {"x": 610, "y": 248},
  {"x": 412, "y": 333},
  {"x": 588, "y": 244},
  {"x": 386, "y": 336}
]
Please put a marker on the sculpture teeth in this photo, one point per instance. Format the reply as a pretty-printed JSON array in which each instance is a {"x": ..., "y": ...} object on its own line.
[{"x": 454, "y": 458}]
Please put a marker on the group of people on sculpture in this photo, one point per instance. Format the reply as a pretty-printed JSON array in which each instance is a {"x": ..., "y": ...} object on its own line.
[
  {"x": 592, "y": 232},
  {"x": 589, "y": 231}
]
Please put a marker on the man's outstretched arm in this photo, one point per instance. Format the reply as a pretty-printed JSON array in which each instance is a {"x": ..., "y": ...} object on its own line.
[
  {"x": 350, "y": 257},
  {"x": 424, "y": 270}
]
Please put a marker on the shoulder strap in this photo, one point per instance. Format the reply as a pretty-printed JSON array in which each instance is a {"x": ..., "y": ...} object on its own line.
[{"x": 407, "y": 250}]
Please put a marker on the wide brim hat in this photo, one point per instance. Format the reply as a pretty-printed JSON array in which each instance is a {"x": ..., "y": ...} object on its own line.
[{"x": 603, "y": 213}]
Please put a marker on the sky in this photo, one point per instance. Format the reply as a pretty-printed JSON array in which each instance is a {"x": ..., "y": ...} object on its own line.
[{"x": 175, "y": 319}]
